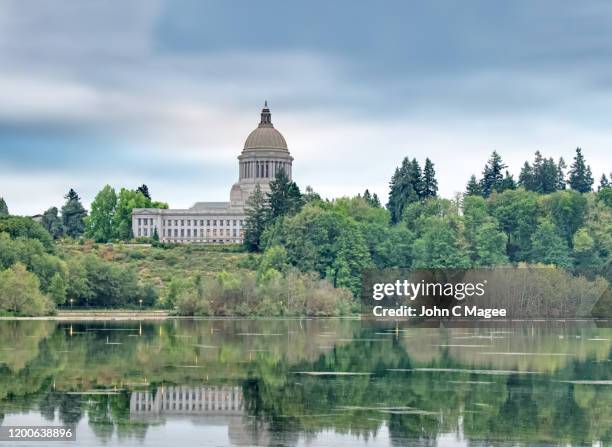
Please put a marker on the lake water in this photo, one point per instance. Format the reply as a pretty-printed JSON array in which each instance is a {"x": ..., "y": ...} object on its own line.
[{"x": 308, "y": 383}]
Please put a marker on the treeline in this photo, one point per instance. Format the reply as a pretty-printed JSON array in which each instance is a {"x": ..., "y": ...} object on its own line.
[
  {"x": 497, "y": 221},
  {"x": 35, "y": 278}
]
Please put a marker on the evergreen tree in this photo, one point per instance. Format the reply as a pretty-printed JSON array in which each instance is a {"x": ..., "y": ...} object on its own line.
[
  {"x": 430, "y": 184},
  {"x": 580, "y": 176},
  {"x": 473, "y": 187},
  {"x": 73, "y": 215},
  {"x": 402, "y": 191},
  {"x": 375, "y": 201},
  {"x": 284, "y": 197},
  {"x": 507, "y": 183},
  {"x": 3, "y": 208},
  {"x": 561, "y": 166},
  {"x": 371, "y": 199},
  {"x": 527, "y": 177},
  {"x": 52, "y": 222},
  {"x": 416, "y": 178},
  {"x": 256, "y": 219},
  {"x": 144, "y": 189},
  {"x": 603, "y": 183},
  {"x": 492, "y": 175},
  {"x": 100, "y": 223},
  {"x": 548, "y": 176}
]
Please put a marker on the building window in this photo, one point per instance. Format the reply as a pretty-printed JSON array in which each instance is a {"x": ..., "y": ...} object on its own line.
[
  {"x": 234, "y": 232},
  {"x": 240, "y": 222},
  {"x": 176, "y": 223},
  {"x": 234, "y": 222},
  {"x": 175, "y": 232},
  {"x": 208, "y": 232},
  {"x": 214, "y": 222},
  {"x": 221, "y": 222},
  {"x": 214, "y": 232},
  {"x": 145, "y": 232},
  {"x": 182, "y": 223},
  {"x": 208, "y": 222},
  {"x": 188, "y": 232},
  {"x": 201, "y": 223},
  {"x": 139, "y": 232},
  {"x": 227, "y": 222},
  {"x": 151, "y": 221},
  {"x": 182, "y": 232}
]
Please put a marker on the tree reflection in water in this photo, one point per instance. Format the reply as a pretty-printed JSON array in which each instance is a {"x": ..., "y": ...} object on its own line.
[{"x": 274, "y": 382}]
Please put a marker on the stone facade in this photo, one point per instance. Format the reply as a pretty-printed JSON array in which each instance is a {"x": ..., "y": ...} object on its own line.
[{"x": 265, "y": 152}]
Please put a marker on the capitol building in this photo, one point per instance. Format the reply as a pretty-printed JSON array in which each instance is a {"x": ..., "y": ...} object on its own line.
[{"x": 265, "y": 152}]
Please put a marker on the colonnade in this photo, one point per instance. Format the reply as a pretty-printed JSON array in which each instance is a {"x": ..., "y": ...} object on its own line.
[{"x": 263, "y": 168}]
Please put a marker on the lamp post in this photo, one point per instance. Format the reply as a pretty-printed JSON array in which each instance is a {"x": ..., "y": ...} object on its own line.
[
  {"x": 140, "y": 301},
  {"x": 71, "y": 302}
]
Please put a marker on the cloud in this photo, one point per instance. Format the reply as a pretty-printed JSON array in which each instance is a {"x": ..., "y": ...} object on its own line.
[{"x": 165, "y": 92}]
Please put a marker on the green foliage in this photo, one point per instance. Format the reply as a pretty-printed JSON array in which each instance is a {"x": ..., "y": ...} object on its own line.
[
  {"x": 58, "y": 289},
  {"x": 20, "y": 292},
  {"x": 4, "y": 211},
  {"x": 100, "y": 224},
  {"x": 284, "y": 197},
  {"x": 548, "y": 247},
  {"x": 52, "y": 222},
  {"x": 545, "y": 176},
  {"x": 256, "y": 220},
  {"x": 274, "y": 294},
  {"x": 473, "y": 187},
  {"x": 73, "y": 215},
  {"x": 430, "y": 184},
  {"x": 517, "y": 212},
  {"x": 439, "y": 239},
  {"x": 492, "y": 175},
  {"x": 567, "y": 210},
  {"x": 486, "y": 240},
  {"x": 404, "y": 188},
  {"x": 580, "y": 176},
  {"x": 127, "y": 200},
  {"x": 605, "y": 196},
  {"x": 25, "y": 227},
  {"x": 274, "y": 258}
]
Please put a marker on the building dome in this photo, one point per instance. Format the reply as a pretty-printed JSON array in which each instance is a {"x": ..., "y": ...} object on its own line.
[{"x": 265, "y": 136}]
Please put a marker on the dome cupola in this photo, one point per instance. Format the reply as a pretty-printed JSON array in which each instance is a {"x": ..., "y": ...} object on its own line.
[{"x": 265, "y": 136}]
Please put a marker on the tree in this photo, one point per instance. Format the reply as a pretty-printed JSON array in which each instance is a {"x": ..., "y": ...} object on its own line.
[
  {"x": 52, "y": 223},
  {"x": 527, "y": 177},
  {"x": 100, "y": 223},
  {"x": 20, "y": 292},
  {"x": 284, "y": 197},
  {"x": 580, "y": 176},
  {"x": 492, "y": 175},
  {"x": 402, "y": 190},
  {"x": 487, "y": 243},
  {"x": 310, "y": 195},
  {"x": 517, "y": 212},
  {"x": 440, "y": 245},
  {"x": 507, "y": 183},
  {"x": 567, "y": 210},
  {"x": 430, "y": 184},
  {"x": 3, "y": 208},
  {"x": 73, "y": 215},
  {"x": 603, "y": 183},
  {"x": 144, "y": 189},
  {"x": 561, "y": 174},
  {"x": 25, "y": 227},
  {"x": 58, "y": 289},
  {"x": 256, "y": 219},
  {"x": 128, "y": 200},
  {"x": 416, "y": 178},
  {"x": 548, "y": 247},
  {"x": 473, "y": 187},
  {"x": 371, "y": 199}
]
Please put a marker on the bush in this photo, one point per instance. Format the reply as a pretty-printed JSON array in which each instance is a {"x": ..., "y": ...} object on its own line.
[{"x": 20, "y": 293}]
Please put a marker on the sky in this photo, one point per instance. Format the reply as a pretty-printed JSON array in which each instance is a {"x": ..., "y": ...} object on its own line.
[{"x": 164, "y": 92}]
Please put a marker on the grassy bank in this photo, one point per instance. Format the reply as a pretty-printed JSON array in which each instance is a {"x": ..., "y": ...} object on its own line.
[{"x": 159, "y": 265}]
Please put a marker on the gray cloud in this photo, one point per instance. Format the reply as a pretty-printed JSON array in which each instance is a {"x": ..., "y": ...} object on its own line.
[{"x": 164, "y": 92}]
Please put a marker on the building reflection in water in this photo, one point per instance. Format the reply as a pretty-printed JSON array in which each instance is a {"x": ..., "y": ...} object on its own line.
[
  {"x": 202, "y": 405},
  {"x": 205, "y": 400}
]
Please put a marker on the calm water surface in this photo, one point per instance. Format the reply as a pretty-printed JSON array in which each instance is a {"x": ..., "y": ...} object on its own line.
[{"x": 308, "y": 383}]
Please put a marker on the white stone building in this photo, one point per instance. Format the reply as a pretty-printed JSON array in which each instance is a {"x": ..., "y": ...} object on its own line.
[{"x": 265, "y": 153}]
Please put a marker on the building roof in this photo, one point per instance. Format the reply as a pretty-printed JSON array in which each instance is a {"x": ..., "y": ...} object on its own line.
[{"x": 265, "y": 136}]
